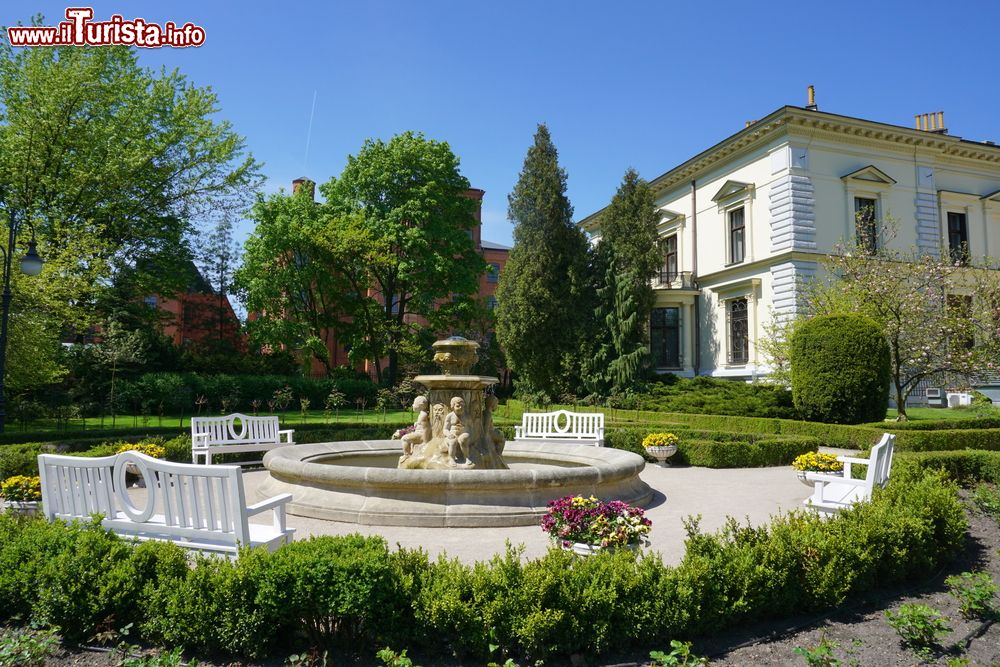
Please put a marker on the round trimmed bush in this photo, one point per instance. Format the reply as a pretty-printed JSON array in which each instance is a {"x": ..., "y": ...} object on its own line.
[{"x": 840, "y": 370}]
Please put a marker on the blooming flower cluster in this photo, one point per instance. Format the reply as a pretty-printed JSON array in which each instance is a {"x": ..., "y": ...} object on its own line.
[
  {"x": 591, "y": 521},
  {"x": 816, "y": 462},
  {"x": 403, "y": 431},
  {"x": 148, "y": 448},
  {"x": 660, "y": 440},
  {"x": 20, "y": 488}
]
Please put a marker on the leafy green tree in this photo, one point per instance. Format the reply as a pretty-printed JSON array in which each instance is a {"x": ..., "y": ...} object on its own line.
[
  {"x": 107, "y": 163},
  {"x": 628, "y": 260},
  {"x": 294, "y": 289},
  {"x": 406, "y": 199},
  {"x": 539, "y": 323}
]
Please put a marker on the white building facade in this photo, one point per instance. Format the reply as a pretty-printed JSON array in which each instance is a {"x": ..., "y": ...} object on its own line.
[{"x": 744, "y": 222}]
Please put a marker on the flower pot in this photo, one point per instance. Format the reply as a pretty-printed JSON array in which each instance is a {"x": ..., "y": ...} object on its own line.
[
  {"x": 661, "y": 454},
  {"x": 801, "y": 474},
  {"x": 23, "y": 507},
  {"x": 584, "y": 549}
]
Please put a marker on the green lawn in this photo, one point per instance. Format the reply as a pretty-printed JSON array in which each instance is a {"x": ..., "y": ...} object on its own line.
[{"x": 942, "y": 413}]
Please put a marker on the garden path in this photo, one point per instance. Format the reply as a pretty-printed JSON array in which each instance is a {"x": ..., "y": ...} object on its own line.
[{"x": 752, "y": 494}]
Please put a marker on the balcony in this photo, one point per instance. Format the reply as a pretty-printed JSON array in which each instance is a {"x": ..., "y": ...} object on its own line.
[{"x": 674, "y": 280}]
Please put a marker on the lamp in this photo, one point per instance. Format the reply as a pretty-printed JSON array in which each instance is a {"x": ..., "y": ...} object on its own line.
[{"x": 31, "y": 263}]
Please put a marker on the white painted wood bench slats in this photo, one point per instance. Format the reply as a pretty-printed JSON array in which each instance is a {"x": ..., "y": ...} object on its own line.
[
  {"x": 834, "y": 492},
  {"x": 562, "y": 426},
  {"x": 236, "y": 433},
  {"x": 197, "y": 506}
]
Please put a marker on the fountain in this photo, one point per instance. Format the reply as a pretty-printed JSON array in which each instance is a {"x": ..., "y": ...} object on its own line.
[{"x": 452, "y": 469}]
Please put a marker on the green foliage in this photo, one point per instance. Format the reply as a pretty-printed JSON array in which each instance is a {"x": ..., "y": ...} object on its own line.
[
  {"x": 336, "y": 589},
  {"x": 966, "y": 467},
  {"x": 975, "y": 592},
  {"x": 628, "y": 260},
  {"x": 987, "y": 498},
  {"x": 172, "y": 658},
  {"x": 705, "y": 395},
  {"x": 821, "y": 655},
  {"x": 840, "y": 369},
  {"x": 919, "y": 626},
  {"x": 544, "y": 283},
  {"x": 680, "y": 656},
  {"x": 26, "y": 647},
  {"x": 719, "y": 449},
  {"x": 392, "y": 659}
]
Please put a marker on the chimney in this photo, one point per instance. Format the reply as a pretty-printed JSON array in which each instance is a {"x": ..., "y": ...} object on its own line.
[
  {"x": 811, "y": 98},
  {"x": 930, "y": 122},
  {"x": 301, "y": 183}
]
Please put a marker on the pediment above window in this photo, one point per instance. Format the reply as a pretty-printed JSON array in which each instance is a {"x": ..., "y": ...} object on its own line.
[
  {"x": 870, "y": 174},
  {"x": 669, "y": 220},
  {"x": 731, "y": 189}
]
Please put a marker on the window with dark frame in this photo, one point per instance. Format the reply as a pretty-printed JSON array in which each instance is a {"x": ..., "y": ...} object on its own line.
[
  {"x": 737, "y": 235},
  {"x": 665, "y": 337},
  {"x": 958, "y": 237},
  {"x": 739, "y": 331},
  {"x": 668, "y": 273},
  {"x": 866, "y": 224},
  {"x": 493, "y": 273}
]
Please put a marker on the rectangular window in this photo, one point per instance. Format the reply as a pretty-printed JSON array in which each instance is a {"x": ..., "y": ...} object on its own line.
[
  {"x": 668, "y": 273},
  {"x": 739, "y": 331},
  {"x": 866, "y": 224},
  {"x": 958, "y": 237},
  {"x": 493, "y": 273},
  {"x": 665, "y": 337},
  {"x": 737, "y": 236}
]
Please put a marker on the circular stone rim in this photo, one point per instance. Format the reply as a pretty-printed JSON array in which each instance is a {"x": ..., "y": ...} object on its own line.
[{"x": 436, "y": 498}]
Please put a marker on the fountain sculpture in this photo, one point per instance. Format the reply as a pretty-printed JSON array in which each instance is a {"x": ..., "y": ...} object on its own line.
[{"x": 453, "y": 468}]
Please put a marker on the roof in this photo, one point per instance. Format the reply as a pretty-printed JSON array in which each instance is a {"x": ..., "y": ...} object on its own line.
[
  {"x": 806, "y": 118},
  {"x": 490, "y": 245}
]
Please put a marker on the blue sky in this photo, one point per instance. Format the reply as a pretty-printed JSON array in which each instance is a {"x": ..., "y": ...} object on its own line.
[{"x": 643, "y": 84}]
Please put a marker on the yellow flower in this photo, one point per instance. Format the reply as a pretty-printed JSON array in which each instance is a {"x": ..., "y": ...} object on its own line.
[
  {"x": 21, "y": 488},
  {"x": 147, "y": 448},
  {"x": 660, "y": 440},
  {"x": 817, "y": 462}
]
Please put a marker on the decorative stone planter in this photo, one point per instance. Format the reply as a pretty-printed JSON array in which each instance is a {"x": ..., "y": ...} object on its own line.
[
  {"x": 23, "y": 507},
  {"x": 661, "y": 454},
  {"x": 801, "y": 474},
  {"x": 583, "y": 549}
]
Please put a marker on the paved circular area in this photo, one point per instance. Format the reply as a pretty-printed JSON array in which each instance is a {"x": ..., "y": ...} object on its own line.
[{"x": 752, "y": 494}]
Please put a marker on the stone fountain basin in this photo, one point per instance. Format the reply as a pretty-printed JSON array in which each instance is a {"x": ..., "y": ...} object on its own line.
[{"x": 358, "y": 482}]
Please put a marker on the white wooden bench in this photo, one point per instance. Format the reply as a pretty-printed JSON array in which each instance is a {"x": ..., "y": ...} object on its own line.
[
  {"x": 200, "y": 507},
  {"x": 562, "y": 426},
  {"x": 235, "y": 433},
  {"x": 834, "y": 492}
]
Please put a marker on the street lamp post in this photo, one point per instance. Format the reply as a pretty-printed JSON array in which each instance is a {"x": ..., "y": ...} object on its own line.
[{"x": 31, "y": 264}]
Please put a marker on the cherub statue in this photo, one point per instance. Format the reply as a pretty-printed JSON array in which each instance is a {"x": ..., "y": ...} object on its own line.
[
  {"x": 421, "y": 432},
  {"x": 494, "y": 434},
  {"x": 454, "y": 431}
]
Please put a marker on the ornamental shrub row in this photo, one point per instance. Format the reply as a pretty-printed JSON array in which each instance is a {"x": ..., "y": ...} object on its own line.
[
  {"x": 351, "y": 594},
  {"x": 965, "y": 467},
  {"x": 719, "y": 449}
]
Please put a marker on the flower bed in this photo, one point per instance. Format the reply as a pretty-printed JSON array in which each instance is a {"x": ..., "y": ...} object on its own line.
[{"x": 595, "y": 522}]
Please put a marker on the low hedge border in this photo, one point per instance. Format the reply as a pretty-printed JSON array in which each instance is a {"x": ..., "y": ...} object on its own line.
[
  {"x": 352, "y": 595},
  {"x": 966, "y": 467},
  {"x": 718, "y": 449}
]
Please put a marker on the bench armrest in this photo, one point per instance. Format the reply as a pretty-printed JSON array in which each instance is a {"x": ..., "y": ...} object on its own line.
[
  {"x": 275, "y": 504},
  {"x": 824, "y": 478},
  {"x": 851, "y": 459},
  {"x": 289, "y": 434},
  {"x": 199, "y": 440},
  {"x": 517, "y": 432}
]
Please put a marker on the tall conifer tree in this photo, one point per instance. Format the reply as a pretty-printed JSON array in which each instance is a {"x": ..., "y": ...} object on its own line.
[
  {"x": 629, "y": 259},
  {"x": 539, "y": 323}
]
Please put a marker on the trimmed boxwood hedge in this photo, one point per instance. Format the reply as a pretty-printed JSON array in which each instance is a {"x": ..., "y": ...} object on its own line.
[
  {"x": 352, "y": 595},
  {"x": 718, "y": 449},
  {"x": 965, "y": 467},
  {"x": 840, "y": 369}
]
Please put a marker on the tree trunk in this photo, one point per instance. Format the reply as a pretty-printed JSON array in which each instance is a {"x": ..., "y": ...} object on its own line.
[{"x": 900, "y": 403}]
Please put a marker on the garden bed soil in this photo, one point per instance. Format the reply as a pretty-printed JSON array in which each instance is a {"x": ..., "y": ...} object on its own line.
[{"x": 859, "y": 631}]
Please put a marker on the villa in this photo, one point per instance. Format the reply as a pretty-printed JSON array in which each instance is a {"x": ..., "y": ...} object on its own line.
[{"x": 745, "y": 221}]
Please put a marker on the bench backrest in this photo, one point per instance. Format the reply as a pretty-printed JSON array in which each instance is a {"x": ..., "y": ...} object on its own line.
[
  {"x": 236, "y": 428},
  {"x": 879, "y": 462},
  {"x": 562, "y": 423},
  {"x": 182, "y": 499}
]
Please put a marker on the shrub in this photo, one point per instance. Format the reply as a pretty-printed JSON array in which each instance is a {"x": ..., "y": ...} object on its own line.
[
  {"x": 27, "y": 647},
  {"x": 964, "y": 467},
  {"x": 840, "y": 369},
  {"x": 975, "y": 592},
  {"x": 706, "y": 395},
  {"x": 918, "y": 625},
  {"x": 147, "y": 447}
]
